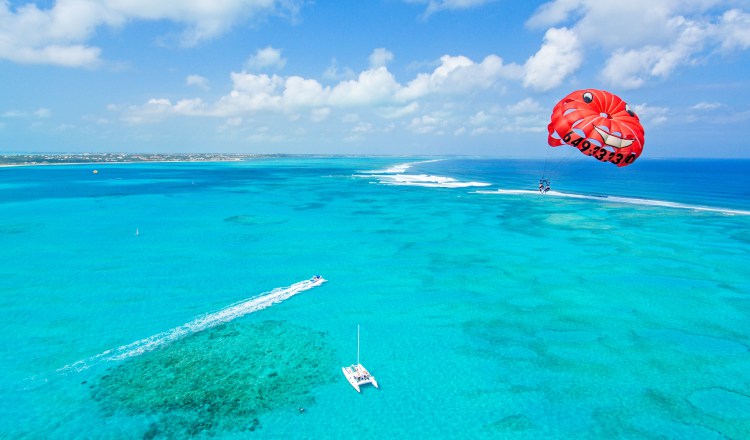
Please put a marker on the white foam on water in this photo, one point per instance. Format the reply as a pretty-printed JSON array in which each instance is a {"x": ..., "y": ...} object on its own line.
[
  {"x": 201, "y": 323},
  {"x": 392, "y": 170},
  {"x": 395, "y": 175},
  {"x": 427, "y": 180},
  {"x": 400, "y": 168},
  {"x": 617, "y": 199}
]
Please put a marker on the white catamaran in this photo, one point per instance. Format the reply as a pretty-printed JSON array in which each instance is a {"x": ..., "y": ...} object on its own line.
[{"x": 356, "y": 374}]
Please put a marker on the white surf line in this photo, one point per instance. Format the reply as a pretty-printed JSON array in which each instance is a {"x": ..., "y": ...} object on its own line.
[
  {"x": 617, "y": 199},
  {"x": 204, "y": 322},
  {"x": 400, "y": 168},
  {"x": 395, "y": 176},
  {"x": 426, "y": 180}
]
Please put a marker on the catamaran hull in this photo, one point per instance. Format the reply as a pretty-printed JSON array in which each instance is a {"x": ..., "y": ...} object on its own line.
[
  {"x": 350, "y": 378},
  {"x": 357, "y": 375}
]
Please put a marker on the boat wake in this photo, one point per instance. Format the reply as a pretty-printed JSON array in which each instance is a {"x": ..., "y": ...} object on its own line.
[
  {"x": 617, "y": 199},
  {"x": 204, "y": 322},
  {"x": 396, "y": 175}
]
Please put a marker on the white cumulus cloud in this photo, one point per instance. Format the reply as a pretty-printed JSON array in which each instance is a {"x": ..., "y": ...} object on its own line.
[
  {"x": 380, "y": 57},
  {"x": 320, "y": 114},
  {"x": 643, "y": 39},
  {"x": 706, "y": 106},
  {"x": 427, "y": 124},
  {"x": 457, "y": 74},
  {"x": 375, "y": 91},
  {"x": 734, "y": 30},
  {"x": 60, "y": 34},
  {"x": 40, "y": 113},
  {"x": 440, "y": 5},
  {"x": 525, "y": 106},
  {"x": 559, "y": 56},
  {"x": 371, "y": 87},
  {"x": 650, "y": 115},
  {"x": 630, "y": 69},
  {"x": 197, "y": 81},
  {"x": 266, "y": 58}
]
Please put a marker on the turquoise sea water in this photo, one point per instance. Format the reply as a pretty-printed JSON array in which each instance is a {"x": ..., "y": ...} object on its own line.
[{"x": 615, "y": 306}]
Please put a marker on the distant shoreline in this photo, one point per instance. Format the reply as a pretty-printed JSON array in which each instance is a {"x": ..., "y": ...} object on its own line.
[
  {"x": 44, "y": 159},
  {"x": 15, "y": 160}
]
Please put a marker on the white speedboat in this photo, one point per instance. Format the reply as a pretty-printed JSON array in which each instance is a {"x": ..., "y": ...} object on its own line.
[{"x": 357, "y": 374}]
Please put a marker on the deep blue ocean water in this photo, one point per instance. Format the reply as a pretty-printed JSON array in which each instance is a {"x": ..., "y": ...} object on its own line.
[{"x": 615, "y": 306}]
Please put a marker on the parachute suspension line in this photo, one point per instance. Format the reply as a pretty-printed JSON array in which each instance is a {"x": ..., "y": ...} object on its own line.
[
  {"x": 554, "y": 168},
  {"x": 564, "y": 157},
  {"x": 544, "y": 178},
  {"x": 546, "y": 161}
]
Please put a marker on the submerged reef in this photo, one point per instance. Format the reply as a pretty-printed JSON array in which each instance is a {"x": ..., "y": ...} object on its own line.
[{"x": 218, "y": 380}]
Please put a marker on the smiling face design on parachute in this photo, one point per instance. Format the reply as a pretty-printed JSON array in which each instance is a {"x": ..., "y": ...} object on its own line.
[{"x": 599, "y": 124}]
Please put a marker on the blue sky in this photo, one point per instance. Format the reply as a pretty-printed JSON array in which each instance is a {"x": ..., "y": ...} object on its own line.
[{"x": 473, "y": 77}]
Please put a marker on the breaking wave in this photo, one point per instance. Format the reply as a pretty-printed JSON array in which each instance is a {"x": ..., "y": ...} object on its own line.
[{"x": 396, "y": 175}]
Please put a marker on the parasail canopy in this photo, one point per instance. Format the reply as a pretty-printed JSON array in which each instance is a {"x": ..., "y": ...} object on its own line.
[{"x": 599, "y": 124}]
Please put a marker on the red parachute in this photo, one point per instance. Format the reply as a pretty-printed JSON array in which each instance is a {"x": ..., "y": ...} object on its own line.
[{"x": 599, "y": 124}]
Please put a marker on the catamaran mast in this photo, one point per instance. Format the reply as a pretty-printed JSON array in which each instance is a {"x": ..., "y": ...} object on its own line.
[{"x": 357, "y": 344}]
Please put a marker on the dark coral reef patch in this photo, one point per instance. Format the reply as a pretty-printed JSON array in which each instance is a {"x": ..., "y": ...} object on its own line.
[{"x": 218, "y": 380}]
